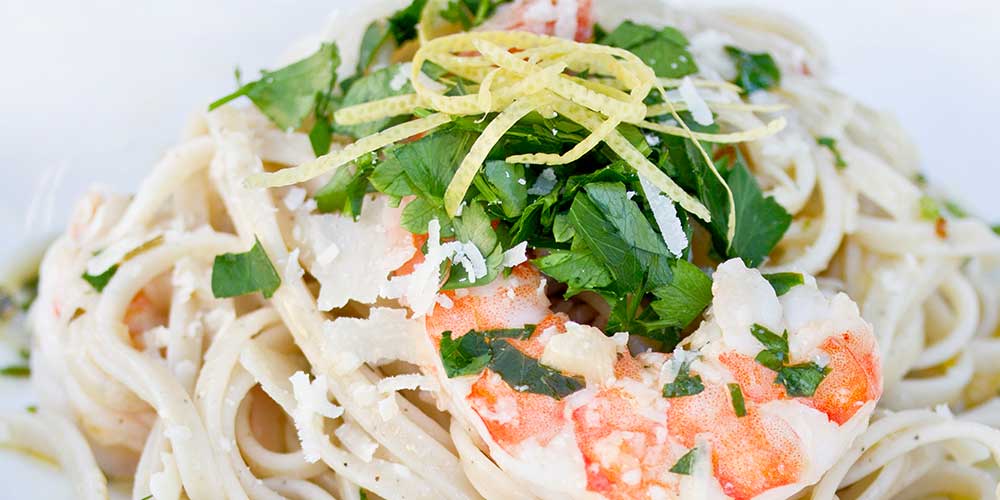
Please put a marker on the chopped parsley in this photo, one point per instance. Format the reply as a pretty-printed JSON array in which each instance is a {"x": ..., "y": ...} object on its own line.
[
  {"x": 664, "y": 50},
  {"x": 288, "y": 95},
  {"x": 18, "y": 371},
  {"x": 739, "y": 406},
  {"x": 685, "y": 464},
  {"x": 955, "y": 209},
  {"x": 403, "y": 24},
  {"x": 474, "y": 351},
  {"x": 235, "y": 274},
  {"x": 372, "y": 42},
  {"x": 31, "y": 409},
  {"x": 345, "y": 191},
  {"x": 831, "y": 144},
  {"x": 684, "y": 384},
  {"x": 929, "y": 208},
  {"x": 685, "y": 297},
  {"x": 754, "y": 71},
  {"x": 99, "y": 281},
  {"x": 470, "y": 13},
  {"x": 996, "y": 229},
  {"x": 800, "y": 380},
  {"x": 783, "y": 282}
]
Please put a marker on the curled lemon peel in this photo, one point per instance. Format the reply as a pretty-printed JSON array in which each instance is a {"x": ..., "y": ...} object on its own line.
[
  {"x": 348, "y": 154},
  {"x": 515, "y": 73}
]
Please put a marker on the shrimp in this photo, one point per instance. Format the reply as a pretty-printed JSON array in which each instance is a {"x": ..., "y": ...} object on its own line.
[
  {"x": 619, "y": 437},
  {"x": 563, "y": 18}
]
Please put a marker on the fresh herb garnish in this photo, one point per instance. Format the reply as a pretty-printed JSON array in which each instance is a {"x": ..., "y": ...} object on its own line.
[
  {"x": 760, "y": 221},
  {"x": 403, "y": 24},
  {"x": 99, "y": 281},
  {"x": 755, "y": 71},
  {"x": 800, "y": 380},
  {"x": 775, "y": 352},
  {"x": 831, "y": 144},
  {"x": 31, "y": 409},
  {"x": 235, "y": 274},
  {"x": 19, "y": 371},
  {"x": 474, "y": 351},
  {"x": 664, "y": 50},
  {"x": 380, "y": 84},
  {"x": 345, "y": 191},
  {"x": 685, "y": 464},
  {"x": 467, "y": 355},
  {"x": 372, "y": 42},
  {"x": 685, "y": 297},
  {"x": 684, "y": 383},
  {"x": 996, "y": 229},
  {"x": 470, "y": 13},
  {"x": 929, "y": 209},
  {"x": 526, "y": 374},
  {"x": 783, "y": 282},
  {"x": 954, "y": 209},
  {"x": 736, "y": 394},
  {"x": 288, "y": 95}
]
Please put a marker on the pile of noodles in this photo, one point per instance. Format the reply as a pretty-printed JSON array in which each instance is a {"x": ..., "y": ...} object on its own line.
[{"x": 204, "y": 406}]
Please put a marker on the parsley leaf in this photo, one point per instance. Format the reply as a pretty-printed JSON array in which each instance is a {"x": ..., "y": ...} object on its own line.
[
  {"x": 374, "y": 38},
  {"x": 755, "y": 71},
  {"x": 783, "y": 282},
  {"x": 423, "y": 167},
  {"x": 616, "y": 232},
  {"x": 685, "y": 464},
  {"x": 801, "y": 380},
  {"x": 100, "y": 281},
  {"x": 663, "y": 50},
  {"x": 504, "y": 185},
  {"x": 736, "y": 394},
  {"x": 470, "y": 13},
  {"x": 377, "y": 85},
  {"x": 19, "y": 371},
  {"x": 403, "y": 24},
  {"x": 685, "y": 297},
  {"x": 831, "y": 144},
  {"x": 467, "y": 355},
  {"x": 929, "y": 209},
  {"x": 289, "y": 94},
  {"x": 577, "y": 267},
  {"x": 235, "y": 274},
  {"x": 684, "y": 384},
  {"x": 418, "y": 213},
  {"x": 775, "y": 352},
  {"x": 474, "y": 351},
  {"x": 760, "y": 221},
  {"x": 475, "y": 227},
  {"x": 346, "y": 189},
  {"x": 996, "y": 229},
  {"x": 526, "y": 374}
]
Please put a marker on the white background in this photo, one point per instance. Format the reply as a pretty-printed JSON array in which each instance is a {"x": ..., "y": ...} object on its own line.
[{"x": 95, "y": 91}]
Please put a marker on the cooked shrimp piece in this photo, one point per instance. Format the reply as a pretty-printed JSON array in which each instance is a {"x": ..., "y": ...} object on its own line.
[
  {"x": 572, "y": 19},
  {"x": 717, "y": 418}
]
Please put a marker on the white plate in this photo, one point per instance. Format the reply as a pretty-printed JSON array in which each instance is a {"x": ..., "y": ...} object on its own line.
[{"x": 94, "y": 92}]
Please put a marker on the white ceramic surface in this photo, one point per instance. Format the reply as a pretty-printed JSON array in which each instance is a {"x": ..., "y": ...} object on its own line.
[{"x": 94, "y": 92}]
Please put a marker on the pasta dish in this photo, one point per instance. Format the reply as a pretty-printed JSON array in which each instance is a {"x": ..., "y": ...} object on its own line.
[{"x": 513, "y": 249}]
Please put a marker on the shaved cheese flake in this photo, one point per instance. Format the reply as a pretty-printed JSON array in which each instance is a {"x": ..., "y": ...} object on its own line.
[
  {"x": 411, "y": 382},
  {"x": 666, "y": 218},
  {"x": 582, "y": 350},
  {"x": 312, "y": 396},
  {"x": 516, "y": 255},
  {"x": 350, "y": 152},
  {"x": 545, "y": 182},
  {"x": 699, "y": 109}
]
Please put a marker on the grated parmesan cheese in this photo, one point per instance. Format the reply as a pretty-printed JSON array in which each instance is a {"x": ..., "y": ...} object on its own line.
[
  {"x": 582, "y": 350},
  {"x": 516, "y": 255},
  {"x": 544, "y": 184},
  {"x": 696, "y": 104},
  {"x": 666, "y": 218}
]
